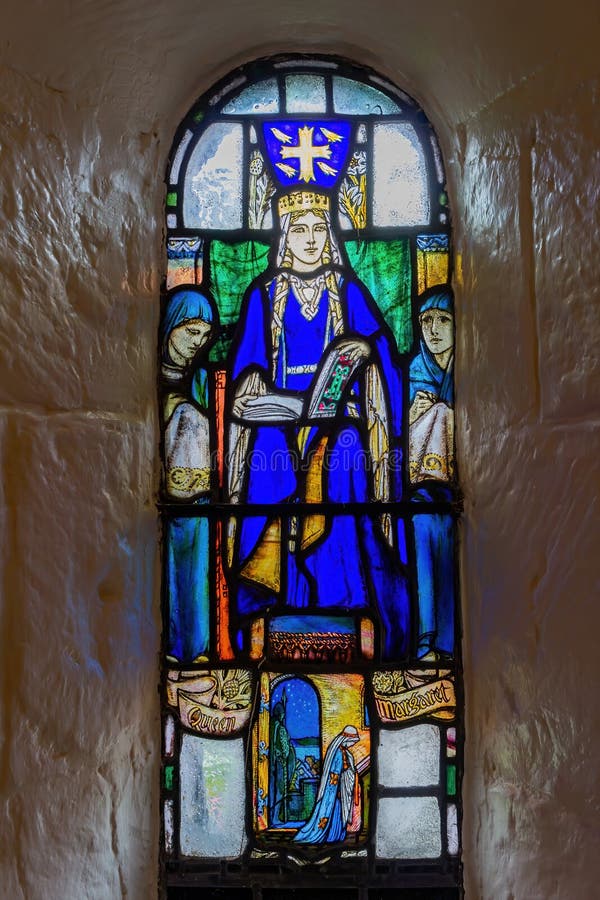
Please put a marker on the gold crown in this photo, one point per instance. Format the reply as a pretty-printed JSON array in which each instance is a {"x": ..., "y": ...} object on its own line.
[{"x": 302, "y": 201}]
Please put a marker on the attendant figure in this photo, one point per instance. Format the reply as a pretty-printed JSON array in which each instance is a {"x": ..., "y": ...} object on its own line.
[
  {"x": 338, "y": 797},
  {"x": 314, "y": 305},
  {"x": 431, "y": 443},
  {"x": 283, "y": 765},
  {"x": 189, "y": 327}
]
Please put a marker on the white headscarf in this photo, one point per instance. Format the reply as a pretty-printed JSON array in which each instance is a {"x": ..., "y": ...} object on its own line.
[{"x": 346, "y": 738}]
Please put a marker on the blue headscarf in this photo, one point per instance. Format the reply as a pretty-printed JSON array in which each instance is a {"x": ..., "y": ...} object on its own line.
[
  {"x": 425, "y": 373},
  {"x": 188, "y": 303},
  {"x": 438, "y": 300},
  {"x": 183, "y": 305}
]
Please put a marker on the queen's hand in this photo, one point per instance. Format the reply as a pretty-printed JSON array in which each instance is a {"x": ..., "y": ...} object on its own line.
[
  {"x": 355, "y": 348},
  {"x": 270, "y": 407},
  {"x": 238, "y": 407}
]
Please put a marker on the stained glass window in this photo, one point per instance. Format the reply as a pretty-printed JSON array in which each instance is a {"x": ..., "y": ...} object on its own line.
[{"x": 312, "y": 730}]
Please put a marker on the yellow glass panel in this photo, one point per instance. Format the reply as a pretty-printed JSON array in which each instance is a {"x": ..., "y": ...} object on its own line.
[{"x": 432, "y": 268}]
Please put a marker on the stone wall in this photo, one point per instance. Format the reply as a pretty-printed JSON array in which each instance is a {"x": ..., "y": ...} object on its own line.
[{"x": 91, "y": 96}]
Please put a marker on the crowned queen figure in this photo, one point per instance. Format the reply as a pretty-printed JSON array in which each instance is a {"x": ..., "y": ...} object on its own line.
[{"x": 315, "y": 413}]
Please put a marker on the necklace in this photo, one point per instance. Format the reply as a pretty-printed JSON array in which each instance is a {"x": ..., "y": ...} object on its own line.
[{"x": 308, "y": 294}]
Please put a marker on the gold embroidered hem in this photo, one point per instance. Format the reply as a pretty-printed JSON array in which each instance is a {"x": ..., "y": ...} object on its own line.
[{"x": 181, "y": 479}]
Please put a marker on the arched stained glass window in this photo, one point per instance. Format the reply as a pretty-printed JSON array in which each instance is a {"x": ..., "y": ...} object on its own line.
[{"x": 311, "y": 640}]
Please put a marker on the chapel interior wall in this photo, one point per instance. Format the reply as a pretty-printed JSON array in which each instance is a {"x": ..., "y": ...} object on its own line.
[{"x": 92, "y": 95}]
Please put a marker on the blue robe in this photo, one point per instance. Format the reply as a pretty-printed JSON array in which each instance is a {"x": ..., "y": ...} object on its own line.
[
  {"x": 326, "y": 823},
  {"x": 434, "y": 532},
  {"x": 351, "y": 566},
  {"x": 187, "y": 543}
]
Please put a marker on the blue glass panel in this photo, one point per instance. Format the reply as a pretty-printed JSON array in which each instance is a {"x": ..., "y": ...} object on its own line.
[
  {"x": 307, "y": 152},
  {"x": 434, "y": 242},
  {"x": 351, "y": 566},
  {"x": 295, "y": 754},
  {"x": 187, "y": 542},
  {"x": 340, "y": 564},
  {"x": 308, "y": 624},
  {"x": 434, "y": 552}
]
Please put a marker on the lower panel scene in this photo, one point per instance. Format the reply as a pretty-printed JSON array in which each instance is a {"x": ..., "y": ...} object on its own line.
[{"x": 345, "y": 775}]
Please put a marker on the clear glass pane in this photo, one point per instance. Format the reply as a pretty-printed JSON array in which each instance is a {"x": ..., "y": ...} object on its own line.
[
  {"x": 178, "y": 158},
  {"x": 401, "y": 195},
  {"x": 169, "y": 736},
  {"x": 213, "y": 179},
  {"x": 259, "y": 98},
  {"x": 230, "y": 86},
  {"x": 213, "y": 797},
  {"x": 409, "y": 758},
  {"x": 169, "y": 826},
  {"x": 355, "y": 98},
  {"x": 394, "y": 90},
  {"x": 305, "y": 93},
  {"x": 408, "y": 828},
  {"x": 452, "y": 826}
]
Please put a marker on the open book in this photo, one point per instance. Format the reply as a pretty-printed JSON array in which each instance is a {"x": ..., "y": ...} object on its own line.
[
  {"x": 333, "y": 378},
  {"x": 335, "y": 374}
]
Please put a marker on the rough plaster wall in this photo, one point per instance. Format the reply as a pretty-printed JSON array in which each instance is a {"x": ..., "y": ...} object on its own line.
[
  {"x": 527, "y": 180},
  {"x": 91, "y": 95}
]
